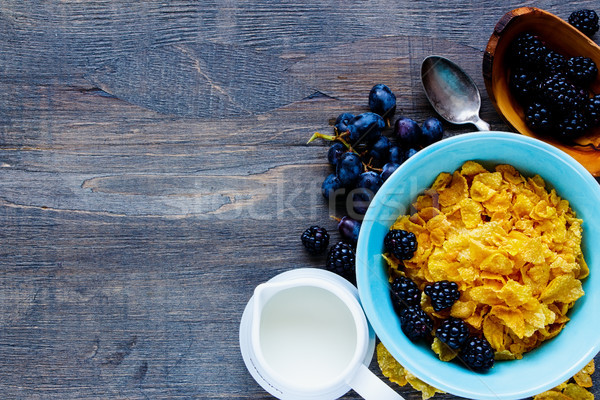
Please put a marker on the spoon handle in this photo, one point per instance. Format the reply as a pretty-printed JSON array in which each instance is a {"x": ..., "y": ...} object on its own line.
[{"x": 481, "y": 125}]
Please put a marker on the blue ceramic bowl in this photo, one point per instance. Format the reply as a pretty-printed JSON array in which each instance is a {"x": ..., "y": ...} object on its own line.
[{"x": 543, "y": 368}]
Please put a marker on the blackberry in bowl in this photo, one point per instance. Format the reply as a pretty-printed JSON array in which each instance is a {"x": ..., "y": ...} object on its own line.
[{"x": 564, "y": 78}]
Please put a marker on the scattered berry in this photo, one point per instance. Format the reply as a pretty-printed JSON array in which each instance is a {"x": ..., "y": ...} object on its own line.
[
  {"x": 342, "y": 260},
  {"x": 407, "y": 131},
  {"x": 396, "y": 155},
  {"x": 415, "y": 323},
  {"x": 585, "y": 20},
  {"x": 349, "y": 229},
  {"x": 315, "y": 239},
  {"x": 582, "y": 70},
  {"x": 379, "y": 152},
  {"x": 443, "y": 294},
  {"x": 477, "y": 354},
  {"x": 410, "y": 152},
  {"x": 382, "y": 101},
  {"x": 432, "y": 131},
  {"x": 366, "y": 187},
  {"x": 402, "y": 244},
  {"x": 342, "y": 122},
  {"x": 349, "y": 168},
  {"x": 335, "y": 153},
  {"x": 331, "y": 185},
  {"x": 388, "y": 169},
  {"x": 368, "y": 126},
  {"x": 453, "y": 332},
  {"x": 404, "y": 293}
]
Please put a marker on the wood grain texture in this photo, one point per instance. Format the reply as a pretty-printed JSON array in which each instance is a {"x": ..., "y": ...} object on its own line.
[{"x": 154, "y": 170}]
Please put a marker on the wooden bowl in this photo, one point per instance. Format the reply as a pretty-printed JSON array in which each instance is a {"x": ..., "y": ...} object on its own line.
[{"x": 558, "y": 35}]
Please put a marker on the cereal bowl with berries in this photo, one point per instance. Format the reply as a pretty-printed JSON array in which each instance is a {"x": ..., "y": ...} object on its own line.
[{"x": 476, "y": 269}]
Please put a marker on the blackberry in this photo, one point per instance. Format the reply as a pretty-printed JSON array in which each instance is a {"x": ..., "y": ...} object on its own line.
[
  {"x": 585, "y": 20},
  {"x": 560, "y": 93},
  {"x": 405, "y": 293},
  {"x": 454, "y": 332},
  {"x": 477, "y": 354},
  {"x": 581, "y": 101},
  {"x": 315, "y": 239},
  {"x": 527, "y": 50},
  {"x": 402, "y": 244},
  {"x": 524, "y": 84},
  {"x": 415, "y": 323},
  {"x": 538, "y": 117},
  {"x": 582, "y": 70},
  {"x": 443, "y": 294},
  {"x": 341, "y": 260},
  {"x": 592, "y": 110},
  {"x": 572, "y": 126},
  {"x": 554, "y": 62}
]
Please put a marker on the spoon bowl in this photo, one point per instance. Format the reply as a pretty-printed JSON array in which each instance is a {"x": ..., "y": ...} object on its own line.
[{"x": 451, "y": 92}]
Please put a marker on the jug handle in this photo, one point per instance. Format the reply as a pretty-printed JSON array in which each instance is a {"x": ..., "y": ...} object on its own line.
[{"x": 370, "y": 387}]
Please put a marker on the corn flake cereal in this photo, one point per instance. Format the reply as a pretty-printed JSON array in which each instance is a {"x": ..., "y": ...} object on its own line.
[
  {"x": 395, "y": 372},
  {"x": 573, "y": 389},
  {"x": 512, "y": 246}
]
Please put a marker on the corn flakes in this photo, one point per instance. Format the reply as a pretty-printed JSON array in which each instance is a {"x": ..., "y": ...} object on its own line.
[
  {"x": 570, "y": 390},
  {"x": 573, "y": 389},
  {"x": 512, "y": 246},
  {"x": 395, "y": 372}
]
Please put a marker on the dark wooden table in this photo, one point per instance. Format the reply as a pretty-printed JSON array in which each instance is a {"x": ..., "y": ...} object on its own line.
[{"x": 154, "y": 169}]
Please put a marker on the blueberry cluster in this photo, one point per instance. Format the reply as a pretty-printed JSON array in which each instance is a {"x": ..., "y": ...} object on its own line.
[
  {"x": 473, "y": 351},
  {"x": 365, "y": 151},
  {"x": 553, "y": 89},
  {"x": 363, "y": 155}
]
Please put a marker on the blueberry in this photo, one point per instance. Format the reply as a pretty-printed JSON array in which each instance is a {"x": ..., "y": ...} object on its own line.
[
  {"x": 366, "y": 187},
  {"x": 382, "y": 101},
  {"x": 396, "y": 155},
  {"x": 349, "y": 229},
  {"x": 432, "y": 131},
  {"x": 407, "y": 131},
  {"x": 379, "y": 152},
  {"x": 388, "y": 169},
  {"x": 368, "y": 126},
  {"x": 342, "y": 121},
  {"x": 348, "y": 168},
  {"x": 409, "y": 153},
  {"x": 335, "y": 152},
  {"x": 330, "y": 185},
  {"x": 353, "y": 134}
]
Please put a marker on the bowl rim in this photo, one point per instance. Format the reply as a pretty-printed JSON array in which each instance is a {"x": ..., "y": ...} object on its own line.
[{"x": 485, "y": 386}]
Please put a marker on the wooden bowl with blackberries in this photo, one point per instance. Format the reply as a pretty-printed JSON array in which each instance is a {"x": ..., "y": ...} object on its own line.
[{"x": 541, "y": 74}]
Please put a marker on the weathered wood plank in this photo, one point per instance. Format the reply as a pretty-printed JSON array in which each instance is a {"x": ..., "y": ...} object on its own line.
[{"x": 154, "y": 170}]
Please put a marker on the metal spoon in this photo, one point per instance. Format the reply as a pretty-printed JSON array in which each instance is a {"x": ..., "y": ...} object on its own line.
[{"x": 451, "y": 92}]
